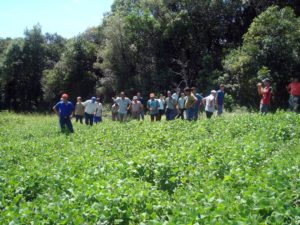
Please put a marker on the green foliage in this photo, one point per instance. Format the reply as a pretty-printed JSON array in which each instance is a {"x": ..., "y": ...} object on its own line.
[
  {"x": 270, "y": 48},
  {"x": 74, "y": 73},
  {"x": 157, "y": 45},
  {"x": 231, "y": 170},
  {"x": 229, "y": 103}
]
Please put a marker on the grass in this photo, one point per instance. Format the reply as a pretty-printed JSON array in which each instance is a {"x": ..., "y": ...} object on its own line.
[{"x": 241, "y": 169}]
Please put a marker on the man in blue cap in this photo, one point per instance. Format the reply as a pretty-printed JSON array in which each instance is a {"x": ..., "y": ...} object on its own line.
[{"x": 90, "y": 110}]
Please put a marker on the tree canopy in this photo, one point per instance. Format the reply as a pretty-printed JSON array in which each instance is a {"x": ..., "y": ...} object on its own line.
[{"x": 155, "y": 46}]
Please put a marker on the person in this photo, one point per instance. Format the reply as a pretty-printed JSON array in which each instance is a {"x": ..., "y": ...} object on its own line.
[
  {"x": 266, "y": 94},
  {"x": 198, "y": 103},
  {"x": 79, "y": 110},
  {"x": 181, "y": 106},
  {"x": 124, "y": 106},
  {"x": 176, "y": 94},
  {"x": 64, "y": 110},
  {"x": 220, "y": 99},
  {"x": 294, "y": 90},
  {"x": 210, "y": 104},
  {"x": 136, "y": 109},
  {"x": 143, "y": 101},
  {"x": 90, "y": 110},
  {"x": 114, "y": 111},
  {"x": 190, "y": 103},
  {"x": 161, "y": 108},
  {"x": 171, "y": 104},
  {"x": 153, "y": 106},
  {"x": 98, "y": 113}
]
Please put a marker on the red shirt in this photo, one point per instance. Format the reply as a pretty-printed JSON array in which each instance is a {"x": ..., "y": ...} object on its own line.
[
  {"x": 266, "y": 96},
  {"x": 294, "y": 88}
]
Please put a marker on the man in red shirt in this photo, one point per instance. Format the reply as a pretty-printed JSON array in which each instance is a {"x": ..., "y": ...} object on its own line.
[
  {"x": 294, "y": 90},
  {"x": 266, "y": 94}
]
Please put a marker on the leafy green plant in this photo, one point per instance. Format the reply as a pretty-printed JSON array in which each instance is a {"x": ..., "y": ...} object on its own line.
[{"x": 241, "y": 169}]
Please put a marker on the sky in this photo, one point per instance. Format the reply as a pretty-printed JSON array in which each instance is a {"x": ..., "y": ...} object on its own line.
[{"x": 67, "y": 18}]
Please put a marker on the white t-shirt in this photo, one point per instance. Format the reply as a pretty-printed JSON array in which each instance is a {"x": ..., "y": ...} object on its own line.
[
  {"x": 210, "y": 103},
  {"x": 123, "y": 104},
  {"x": 181, "y": 102},
  {"x": 175, "y": 96},
  {"x": 99, "y": 110},
  {"x": 90, "y": 107},
  {"x": 161, "y": 104}
]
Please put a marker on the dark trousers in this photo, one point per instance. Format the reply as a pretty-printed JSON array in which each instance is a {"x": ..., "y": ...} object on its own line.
[
  {"x": 170, "y": 114},
  {"x": 190, "y": 113},
  {"x": 209, "y": 114},
  {"x": 159, "y": 115},
  {"x": 66, "y": 121},
  {"x": 79, "y": 118},
  {"x": 181, "y": 114},
  {"x": 89, "y": 119},
  {"x": 154, "y": 117}
]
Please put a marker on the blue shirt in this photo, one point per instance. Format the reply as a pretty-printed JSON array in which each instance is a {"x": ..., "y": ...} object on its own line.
[
  {"x": 142, "y": 100},
  {"x": 154, "y": 105},
  {"x": 220, "y": 97},
  {"x": 199, "y": 99},
  {"x": 64, "y": 109}
]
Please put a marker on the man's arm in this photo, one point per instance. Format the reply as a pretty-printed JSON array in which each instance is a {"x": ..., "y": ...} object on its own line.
[
  {"x": 217, "y": 102},
  {"x": 259, "y": 89},
  {"x": 142, "y": 107},
  {"x": 55, "y": 110}
]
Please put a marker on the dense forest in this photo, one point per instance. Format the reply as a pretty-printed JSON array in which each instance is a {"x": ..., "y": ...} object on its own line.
[{"x": 158, "y": 45}]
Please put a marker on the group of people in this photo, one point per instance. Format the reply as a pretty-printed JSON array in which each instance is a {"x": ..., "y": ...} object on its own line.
[
  {"x": 184, "y": 105},
  {"x": 90, "y": 110},
  {"x": 265, "y": 91},
  {"x": 180, "y": 104}
]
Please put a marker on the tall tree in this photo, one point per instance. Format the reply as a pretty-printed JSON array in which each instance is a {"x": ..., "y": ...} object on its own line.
[
  {"x": 13, "y": 77},
  {"x": 34, "y": 63},
  {"x": 271, "y": 48},
  {"x": 74, "y": 73}
]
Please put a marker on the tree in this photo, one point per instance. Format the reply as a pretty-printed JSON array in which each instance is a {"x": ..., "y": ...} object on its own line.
[
  {"x": 74, "y": 73},
  {"x": 12, "y": 76},
  {"x": 272, "y": 43},
  {"x": 34, "y": 62},
  {"x": 54, "y": 47}
]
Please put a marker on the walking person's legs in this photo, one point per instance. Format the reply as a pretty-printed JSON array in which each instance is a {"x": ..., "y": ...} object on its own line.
[
  {"x": 69, "y": 124},
  {"x": 208, "y": 114},
  {"x": 86, "y": 118},
  {"x": 91, "y": 119},
  {"x": 62, "y": 123}
]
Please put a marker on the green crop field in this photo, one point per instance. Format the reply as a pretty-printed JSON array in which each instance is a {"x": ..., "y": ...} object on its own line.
[{"x": 241, "y": 169}]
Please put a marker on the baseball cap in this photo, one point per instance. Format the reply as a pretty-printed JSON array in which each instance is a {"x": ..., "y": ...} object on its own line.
[
  {"x": 65, "y": 96},
  {"x": 266, "y": 79},
  {"x": 135, "y": 97}
]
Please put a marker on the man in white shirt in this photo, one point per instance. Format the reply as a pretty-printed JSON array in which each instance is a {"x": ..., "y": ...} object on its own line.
[
  {"x": 98, "y": 114},
  {"x": 124, "y": 105},
  {"x": 90, "y": 110},
  {"x": 176, "y": 95},
  {"x": 210, "y": 104}
]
